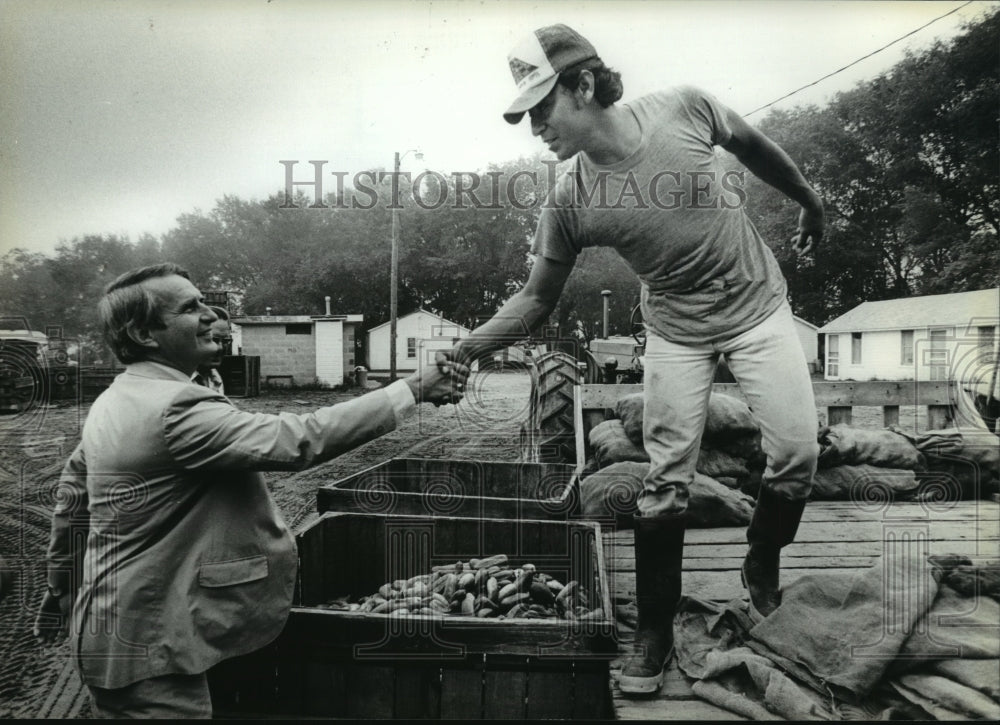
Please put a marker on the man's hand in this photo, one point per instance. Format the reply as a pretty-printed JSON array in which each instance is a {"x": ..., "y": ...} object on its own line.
[
  {"x": 811, "y": 225},
  {"x": 448, "y": 363},
  {"x": 52, "y": 622},
  {"x": 441, "y": 383}
]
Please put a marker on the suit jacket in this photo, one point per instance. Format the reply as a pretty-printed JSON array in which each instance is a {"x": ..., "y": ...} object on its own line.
[{"x": 188, "y": 560}]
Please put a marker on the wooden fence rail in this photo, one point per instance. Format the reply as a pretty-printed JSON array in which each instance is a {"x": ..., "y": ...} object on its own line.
[{"x": 839, "y": 398}]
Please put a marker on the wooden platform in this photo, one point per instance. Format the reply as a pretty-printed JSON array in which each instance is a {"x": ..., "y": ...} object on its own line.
[{"x": 832, "y": 536}]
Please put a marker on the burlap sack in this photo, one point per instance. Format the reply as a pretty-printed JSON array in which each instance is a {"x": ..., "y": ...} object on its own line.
[
  {"x": 864, "y": 484},
  {"x": 977, "y": 447},
  {"x": 610, "y": 444},
  {"x": 719, "y": 464},
  {"x": 728, "y": 418},
  {"x": 629, "y": 410},
  {"x": 842, "y": 445},
  {"x": 611, "y": 495}
]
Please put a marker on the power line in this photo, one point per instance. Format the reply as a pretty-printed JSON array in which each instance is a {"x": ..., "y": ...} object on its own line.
[{"x": 840, "y": 70}]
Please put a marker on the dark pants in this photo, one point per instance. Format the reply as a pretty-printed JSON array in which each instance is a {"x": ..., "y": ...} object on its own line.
[{"x": 166, "y": 697}]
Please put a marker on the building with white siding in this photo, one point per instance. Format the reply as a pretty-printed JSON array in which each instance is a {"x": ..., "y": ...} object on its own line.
[
  {"x": 809, "y": 339},
  {"x": 418, "y": 335},
  {"x": 929, "y": 338},
  {"x": 301, "y": 349}
]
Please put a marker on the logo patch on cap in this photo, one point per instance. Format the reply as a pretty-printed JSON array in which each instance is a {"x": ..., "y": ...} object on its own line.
[{"x": 519, "y": 69}]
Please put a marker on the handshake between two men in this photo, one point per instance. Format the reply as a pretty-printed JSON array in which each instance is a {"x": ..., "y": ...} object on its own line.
[{"x": 441, "y": 383}]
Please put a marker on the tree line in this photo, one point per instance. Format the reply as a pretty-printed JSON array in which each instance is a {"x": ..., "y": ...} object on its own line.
[{"x": 907, "y": 164}]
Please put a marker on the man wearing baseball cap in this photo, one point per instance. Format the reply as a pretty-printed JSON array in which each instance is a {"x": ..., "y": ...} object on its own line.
[{"x": 710, "y": 287}]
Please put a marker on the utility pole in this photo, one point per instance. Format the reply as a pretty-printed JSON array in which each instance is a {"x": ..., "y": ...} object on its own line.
[
  {"x": 394, "y": 266},
  {"x": 393, "y": 279}
]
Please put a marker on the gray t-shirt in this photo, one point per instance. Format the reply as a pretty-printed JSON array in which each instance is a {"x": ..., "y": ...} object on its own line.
[{"x": 676, "y": 216}]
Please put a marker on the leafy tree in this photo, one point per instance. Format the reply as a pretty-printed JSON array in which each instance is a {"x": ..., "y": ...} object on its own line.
[{"x": 907, "y": 165}]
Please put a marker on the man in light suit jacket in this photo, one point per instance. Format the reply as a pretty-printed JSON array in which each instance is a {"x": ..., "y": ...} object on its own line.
[{"x": 188, "y": 561}]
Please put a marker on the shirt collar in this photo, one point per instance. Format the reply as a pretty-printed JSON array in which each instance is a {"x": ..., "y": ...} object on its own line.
[{"x": 149, "y": 369}]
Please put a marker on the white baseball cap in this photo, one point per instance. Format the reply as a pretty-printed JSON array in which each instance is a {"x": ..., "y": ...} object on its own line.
[{"x": 536, "y": 62}]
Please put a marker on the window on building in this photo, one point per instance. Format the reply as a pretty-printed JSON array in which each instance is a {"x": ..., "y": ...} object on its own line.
[
  {"x": 299, "y": 328},
  {"x": 937, "y": 357},
  {"x": 987, "y": 340},
  {"x": 906, "y": 347},
  {"x": 833, "y": 355},
  {"x": 855, "y": 348},
  {"x": 411, "y": 347}
]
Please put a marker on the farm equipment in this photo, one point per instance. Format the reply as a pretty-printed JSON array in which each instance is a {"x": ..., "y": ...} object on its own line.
[
  {"x": 548, "y": 434},
  {"x": 23, "y": 365},
  {"x": 34, "y": 368},
  {"x": 619, "y": 357}
]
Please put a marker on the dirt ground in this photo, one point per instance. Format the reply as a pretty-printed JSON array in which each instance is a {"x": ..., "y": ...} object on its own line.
[{"x": 40, "y": 682}]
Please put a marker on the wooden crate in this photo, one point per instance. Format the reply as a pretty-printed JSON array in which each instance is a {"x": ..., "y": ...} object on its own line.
[
  {"x": 333, "y": 663},
  {"x": 424, "y": 487},
  {"x": 241, "y": 375}
]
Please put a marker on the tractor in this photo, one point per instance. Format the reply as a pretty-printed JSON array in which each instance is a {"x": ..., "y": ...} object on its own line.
[
  {"x": 548, "y": 434},
  {"x": 34, "y": 368}
]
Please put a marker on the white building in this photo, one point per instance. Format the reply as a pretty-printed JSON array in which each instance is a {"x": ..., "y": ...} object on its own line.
[
  {"x": 418, "y": 334},
  {"x": 301, "y": 349},
  {"x": 809, "y": 339},
  {"x": 935, "y": 337}
]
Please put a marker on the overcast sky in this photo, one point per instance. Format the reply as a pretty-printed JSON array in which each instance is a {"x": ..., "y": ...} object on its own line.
[{"x": 116, "y": 117}]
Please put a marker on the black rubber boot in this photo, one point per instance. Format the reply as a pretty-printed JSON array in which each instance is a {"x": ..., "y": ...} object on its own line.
[
  {"x": 659, "y": 552},
  {"x": 774, "y": 525}
]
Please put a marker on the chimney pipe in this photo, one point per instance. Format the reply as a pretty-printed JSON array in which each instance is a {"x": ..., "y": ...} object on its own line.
[
  {"x": 327, "y": 305},
  {"x": 607, "y": 297}
]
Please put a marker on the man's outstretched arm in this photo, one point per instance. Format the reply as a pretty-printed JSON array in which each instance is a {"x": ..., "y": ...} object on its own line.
[
  {"x": 521, "y": 315},
  {"x": 769, "y": 162}
]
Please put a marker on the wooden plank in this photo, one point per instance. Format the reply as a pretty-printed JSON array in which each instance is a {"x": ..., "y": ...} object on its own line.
[
  {"x": 939, "y": 416},
  {"x": 312, "y": 554},
  {"x": 418, "y": 692},
  {"x": 626, "y": 562},
  {"x": 461, "y": 693},
  {"x": 671, "y": 710},
  {"x": 838, "y": 415},
  {"x": 549, "y": 694},
  {"x": 878, "y": 393},
  {"x": 503, "y": 694},
  {"x": 863, "y": 393},
  {"x": 799, "y": 555},
  {"x": 816, "y": 516},
  {"x": 591, "y": 691},
  {"x": 370, "y": 691},
  {"x": 858, "y": 531},
  {"x": 890, "y": 415},
  {"x": 290, "y": 687},
  {"x": 322, "y": 695},
  {"x": 717, "y": 585}
]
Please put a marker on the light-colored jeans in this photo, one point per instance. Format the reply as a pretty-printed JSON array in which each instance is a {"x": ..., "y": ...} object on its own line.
[{"x": 770, "y": 366}]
